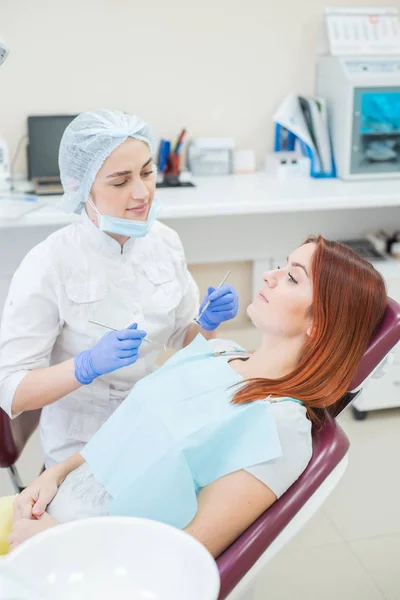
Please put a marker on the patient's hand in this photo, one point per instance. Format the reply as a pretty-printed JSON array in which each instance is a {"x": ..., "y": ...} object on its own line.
[
  {"x": 33, "y": 500},
  {"x": 26, "y": 528}
]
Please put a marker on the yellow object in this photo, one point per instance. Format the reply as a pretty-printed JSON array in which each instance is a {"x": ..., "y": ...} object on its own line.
[{"x": 6, "y": 510}]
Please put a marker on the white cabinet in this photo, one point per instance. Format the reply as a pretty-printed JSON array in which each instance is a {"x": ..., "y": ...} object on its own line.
[
  {"x": 4, "y": 286},
  {"x": 385, "y": 392}
]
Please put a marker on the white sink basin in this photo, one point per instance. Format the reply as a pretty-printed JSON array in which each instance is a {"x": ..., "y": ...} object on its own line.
[{"x": 114, "y": 558}]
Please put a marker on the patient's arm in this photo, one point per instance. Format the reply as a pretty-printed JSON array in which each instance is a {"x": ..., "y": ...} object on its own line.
[
  {"x": 26, "y": 528},
  {"x": 32, "y": 502},
  {"x": 227, "y": 507}
]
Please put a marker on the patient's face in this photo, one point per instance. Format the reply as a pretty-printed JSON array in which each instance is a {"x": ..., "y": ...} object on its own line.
[{"x": 281, "y": 308}]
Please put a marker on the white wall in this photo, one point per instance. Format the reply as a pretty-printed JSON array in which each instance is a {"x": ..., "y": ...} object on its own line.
[{"x": 218, "y": 67}]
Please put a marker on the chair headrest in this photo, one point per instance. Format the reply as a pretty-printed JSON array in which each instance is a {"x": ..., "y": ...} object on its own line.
[{"x": 387, "y": 336}]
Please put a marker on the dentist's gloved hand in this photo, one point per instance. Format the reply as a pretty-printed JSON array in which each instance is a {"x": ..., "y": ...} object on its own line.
[
  {"x": 116, "y": 349},
  {"x": 224, "y": 304}
]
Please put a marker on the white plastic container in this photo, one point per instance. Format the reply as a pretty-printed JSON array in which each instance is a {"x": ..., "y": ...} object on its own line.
[
  {"x": 287, "y": 165},
  {"x": 115, "y": 558},
  {"x": 5, "y": 177},
  {"x": 211, "y": 156}
]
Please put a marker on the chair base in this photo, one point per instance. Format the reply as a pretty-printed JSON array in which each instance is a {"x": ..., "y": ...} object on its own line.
[
  {"x": 245, "y": 590},
  {"x": 15, "y": 479}
]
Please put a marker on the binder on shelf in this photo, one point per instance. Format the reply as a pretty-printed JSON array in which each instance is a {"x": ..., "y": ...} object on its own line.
[{"x": 302, "y": 123}]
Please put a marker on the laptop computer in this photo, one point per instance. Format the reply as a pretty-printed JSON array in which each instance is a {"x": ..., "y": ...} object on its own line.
[{"x": 45, "y": 133}]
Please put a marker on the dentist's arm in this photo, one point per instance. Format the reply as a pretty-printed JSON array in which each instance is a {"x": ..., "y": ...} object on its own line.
[
  {"x": 223, "y": 306},
  {"x": 40, "y": 387},
  {"x": 30, "y": 325},
  {"x": 223, "y": 302},
  {"x": 193, "y": 330},
  {"x": 114, "y": 350},
  {"x": 32, "y": 502}
]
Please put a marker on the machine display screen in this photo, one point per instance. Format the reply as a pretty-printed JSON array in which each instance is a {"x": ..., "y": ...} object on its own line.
[
  {"x": 380, "y": 113},
  {"x": 375, "y": 140}
]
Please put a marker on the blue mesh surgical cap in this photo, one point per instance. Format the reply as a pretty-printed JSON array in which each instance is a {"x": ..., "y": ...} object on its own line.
[{"x": 87, "y": 142}]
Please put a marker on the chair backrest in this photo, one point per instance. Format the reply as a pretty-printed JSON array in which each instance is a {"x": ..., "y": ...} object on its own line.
[
  {"x": 387, "y": 336},
  {"x": 330, "y": 445},
  {"x": 14, "y": 434}
]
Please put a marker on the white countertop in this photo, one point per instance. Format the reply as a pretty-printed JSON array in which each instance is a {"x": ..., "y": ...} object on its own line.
[{"x": 241, "y": 195}]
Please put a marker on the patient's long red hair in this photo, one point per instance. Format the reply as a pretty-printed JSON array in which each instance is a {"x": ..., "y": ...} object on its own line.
[{"x": 349, "y": 301}]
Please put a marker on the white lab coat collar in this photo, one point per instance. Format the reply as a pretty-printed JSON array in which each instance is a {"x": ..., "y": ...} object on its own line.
[{"x": 103, "y": 242}]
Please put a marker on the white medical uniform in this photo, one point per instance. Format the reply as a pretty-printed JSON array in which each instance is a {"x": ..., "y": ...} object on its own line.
[{"x": 77, "y": 274}]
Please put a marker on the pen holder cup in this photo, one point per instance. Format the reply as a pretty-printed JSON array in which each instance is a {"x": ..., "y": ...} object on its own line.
[
  {"x": 173, "y": 163},
  {"x": 172, "y": 172}
]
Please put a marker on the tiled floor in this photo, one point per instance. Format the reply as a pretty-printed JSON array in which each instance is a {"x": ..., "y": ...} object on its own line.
[{"x": 350, "y": 550}]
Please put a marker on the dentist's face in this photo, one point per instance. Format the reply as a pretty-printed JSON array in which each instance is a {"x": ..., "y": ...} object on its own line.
[
  {"x": 124, "y": 186},
  {"x": 282, "y": 307}
]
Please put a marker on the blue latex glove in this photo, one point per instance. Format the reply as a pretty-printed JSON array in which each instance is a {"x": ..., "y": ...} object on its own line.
[
  {"x": 116, "y": 349},
  {"x": 224, "y": 304}
]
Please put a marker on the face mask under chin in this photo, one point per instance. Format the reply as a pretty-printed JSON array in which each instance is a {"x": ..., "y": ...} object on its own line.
[{"x": 126, "y": 227}]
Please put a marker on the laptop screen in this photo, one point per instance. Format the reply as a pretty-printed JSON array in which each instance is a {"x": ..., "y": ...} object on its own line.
[{"x": 45, "y": 133}]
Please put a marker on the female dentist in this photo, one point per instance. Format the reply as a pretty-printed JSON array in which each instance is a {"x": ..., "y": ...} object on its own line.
[{"x": 116, "y": 267}]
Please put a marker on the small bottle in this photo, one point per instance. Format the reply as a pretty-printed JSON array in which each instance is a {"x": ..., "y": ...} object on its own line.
[{"x": 393, "y": 244}]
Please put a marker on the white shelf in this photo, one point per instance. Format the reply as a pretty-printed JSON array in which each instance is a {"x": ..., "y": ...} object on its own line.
[{"x": 243, "y": 195}]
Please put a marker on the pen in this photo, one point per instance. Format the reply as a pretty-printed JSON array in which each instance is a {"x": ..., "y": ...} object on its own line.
[
  {"x": 165, "y": 148},
  {"x": 179, "y": 141}
]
